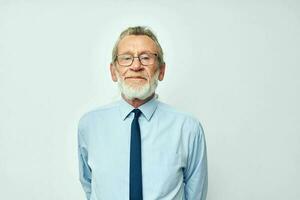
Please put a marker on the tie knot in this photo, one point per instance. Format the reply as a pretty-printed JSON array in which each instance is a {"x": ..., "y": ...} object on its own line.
[{"x": 137, "y": 113}]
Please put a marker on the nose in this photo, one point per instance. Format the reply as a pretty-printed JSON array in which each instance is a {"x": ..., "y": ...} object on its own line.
[{"x": 136, "y": 64}]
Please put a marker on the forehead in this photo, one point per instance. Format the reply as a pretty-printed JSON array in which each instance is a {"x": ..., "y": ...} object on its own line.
[{"x": 136, "y": 44}]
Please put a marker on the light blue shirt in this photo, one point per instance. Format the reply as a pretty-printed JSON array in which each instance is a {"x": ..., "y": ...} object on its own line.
[{"x": 174, "y": 161}]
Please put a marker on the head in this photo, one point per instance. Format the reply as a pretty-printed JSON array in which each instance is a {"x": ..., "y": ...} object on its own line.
[{"x": 137, "y": 79}]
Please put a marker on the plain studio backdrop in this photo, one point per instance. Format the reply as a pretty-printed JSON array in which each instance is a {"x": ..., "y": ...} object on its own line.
[{"x": 233, "y": 64}]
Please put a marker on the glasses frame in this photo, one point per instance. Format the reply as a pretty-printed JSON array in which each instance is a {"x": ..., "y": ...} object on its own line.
[{"x": 133, "y": 57}]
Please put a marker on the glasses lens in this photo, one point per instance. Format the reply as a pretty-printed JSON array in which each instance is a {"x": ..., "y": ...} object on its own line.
[
  {"x": 147, "y": 59},
  {"x": 125, "y": 60}
]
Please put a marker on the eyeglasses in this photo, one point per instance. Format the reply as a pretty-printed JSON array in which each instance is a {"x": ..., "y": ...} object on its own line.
[{"x": 144, "y": 58}]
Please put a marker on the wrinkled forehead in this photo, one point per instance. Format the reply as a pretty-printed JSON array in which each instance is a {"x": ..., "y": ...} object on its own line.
[{"x": 136, "y": 44}]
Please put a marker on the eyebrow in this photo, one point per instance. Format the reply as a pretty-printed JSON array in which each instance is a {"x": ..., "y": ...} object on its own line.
[{"x": 131, "y": 53}]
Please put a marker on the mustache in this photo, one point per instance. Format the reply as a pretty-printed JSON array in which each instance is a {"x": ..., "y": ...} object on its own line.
[{"x": 125, "y": 76}]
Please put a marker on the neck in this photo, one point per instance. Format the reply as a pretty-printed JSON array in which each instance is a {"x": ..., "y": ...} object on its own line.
[{"x": 137, "y": 102}]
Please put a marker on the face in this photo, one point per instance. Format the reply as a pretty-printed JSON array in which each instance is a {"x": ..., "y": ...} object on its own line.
[{"x": 137, "y": 81}]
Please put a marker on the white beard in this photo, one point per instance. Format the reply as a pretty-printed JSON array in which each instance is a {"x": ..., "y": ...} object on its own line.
[{"x": 141, "y": 92}]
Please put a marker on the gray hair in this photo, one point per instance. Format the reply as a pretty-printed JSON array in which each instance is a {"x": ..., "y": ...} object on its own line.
[{"x": 139, "y": 30}]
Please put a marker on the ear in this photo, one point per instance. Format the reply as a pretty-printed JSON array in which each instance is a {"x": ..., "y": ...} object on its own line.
[
  {"x": 162, "y": 72},
  {"x": 113, "y": 72}
]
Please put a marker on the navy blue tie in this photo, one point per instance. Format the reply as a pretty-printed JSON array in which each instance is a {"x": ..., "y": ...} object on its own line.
[{"x": 136, "y": 184}]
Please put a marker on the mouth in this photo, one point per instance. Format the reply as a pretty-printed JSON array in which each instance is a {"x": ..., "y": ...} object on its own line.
[{"x": 135, "y": 78}]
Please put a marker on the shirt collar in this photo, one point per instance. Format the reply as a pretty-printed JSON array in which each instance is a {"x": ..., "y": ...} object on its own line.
[{"x": 147, "y": 108}]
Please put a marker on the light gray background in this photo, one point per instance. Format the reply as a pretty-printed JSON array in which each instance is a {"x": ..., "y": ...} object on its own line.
[{"x": 233, "y": 64}]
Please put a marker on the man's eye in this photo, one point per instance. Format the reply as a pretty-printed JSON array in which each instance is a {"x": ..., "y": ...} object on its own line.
[
  {"x": 145, "y": 57},
  {"x": 126, "y": 57}
]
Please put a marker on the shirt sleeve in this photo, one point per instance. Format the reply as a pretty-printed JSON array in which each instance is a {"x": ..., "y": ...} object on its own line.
[
  {"x": 85, "y": 171},
  {"x": 195, "y": 173}
]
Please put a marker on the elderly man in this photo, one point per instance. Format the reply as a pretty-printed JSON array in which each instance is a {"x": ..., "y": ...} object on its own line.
[{"x": 140, "y": 148}]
